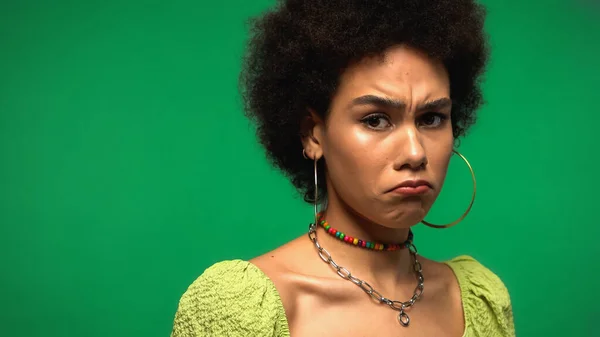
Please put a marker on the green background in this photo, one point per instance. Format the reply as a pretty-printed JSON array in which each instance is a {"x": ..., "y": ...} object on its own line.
[{"x": 127, "y": 168}]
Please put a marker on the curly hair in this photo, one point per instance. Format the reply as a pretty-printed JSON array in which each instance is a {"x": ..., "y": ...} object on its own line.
[{"x": 297, "y": 52}]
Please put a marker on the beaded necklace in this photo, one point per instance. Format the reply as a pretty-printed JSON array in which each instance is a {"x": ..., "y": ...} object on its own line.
[{"x": 363, "y": 243}]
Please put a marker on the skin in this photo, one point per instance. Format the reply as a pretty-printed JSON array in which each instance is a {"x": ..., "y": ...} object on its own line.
[{"x": 389, "y": 122}]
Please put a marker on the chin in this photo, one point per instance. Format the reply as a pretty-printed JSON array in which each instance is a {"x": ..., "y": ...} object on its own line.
[{"x": 404, "y": 218}]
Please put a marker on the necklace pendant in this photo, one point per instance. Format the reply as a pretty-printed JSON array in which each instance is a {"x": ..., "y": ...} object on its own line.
[{"x": 403, "y": 318}]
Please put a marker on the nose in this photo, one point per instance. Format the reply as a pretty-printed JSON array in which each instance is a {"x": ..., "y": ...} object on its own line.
[{"x": 411, "y": 152}]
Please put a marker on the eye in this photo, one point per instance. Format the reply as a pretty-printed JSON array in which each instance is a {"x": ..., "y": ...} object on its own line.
[
  {"x": 377, "y": 121},
  {"x": 432, "y": 119}
]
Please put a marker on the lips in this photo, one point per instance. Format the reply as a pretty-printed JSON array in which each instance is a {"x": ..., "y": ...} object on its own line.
[{"x": 413, "y": 187}]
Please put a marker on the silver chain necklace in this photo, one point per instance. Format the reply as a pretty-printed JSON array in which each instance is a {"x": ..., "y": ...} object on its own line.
[{"x": 344, "y": 273}]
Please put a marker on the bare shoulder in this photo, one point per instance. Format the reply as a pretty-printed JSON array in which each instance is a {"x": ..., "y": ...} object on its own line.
[
  {"x": 283, "y": 259},
  {"x": 288, "y": 271},
  {"x": 443, "y": 284},
  {"x": 438, "y": 271}
]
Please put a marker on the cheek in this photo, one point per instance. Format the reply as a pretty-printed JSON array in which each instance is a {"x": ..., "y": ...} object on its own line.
[
  {"x": 351, "y": 159},
  {"x": 440, "y": 163},
  {"x": 344, "y": 152}
]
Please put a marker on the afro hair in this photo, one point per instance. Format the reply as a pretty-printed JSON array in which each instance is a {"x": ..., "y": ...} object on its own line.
[{"x": 297, "y": 52}]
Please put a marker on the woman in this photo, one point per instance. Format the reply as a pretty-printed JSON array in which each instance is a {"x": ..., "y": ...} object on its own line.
[{"x": 360, "y": 103}]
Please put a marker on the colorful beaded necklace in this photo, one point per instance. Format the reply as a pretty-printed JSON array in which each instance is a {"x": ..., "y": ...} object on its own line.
[{"x": 363, "y": 243}]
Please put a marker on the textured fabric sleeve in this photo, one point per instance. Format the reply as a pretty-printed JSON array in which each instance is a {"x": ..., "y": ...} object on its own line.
[
  {"x": 486, "y": 301},
  {"x": 231, "y": 298}
]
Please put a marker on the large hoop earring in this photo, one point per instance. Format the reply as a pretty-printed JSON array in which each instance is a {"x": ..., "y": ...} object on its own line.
[
  {"x": 316, "y": 196},
  {"x": 470, "y": 204},
  {"x": 316, "y": 192}
]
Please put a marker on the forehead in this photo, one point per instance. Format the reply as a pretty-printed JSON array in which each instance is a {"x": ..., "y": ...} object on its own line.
[{"x": 400, "y": 72}]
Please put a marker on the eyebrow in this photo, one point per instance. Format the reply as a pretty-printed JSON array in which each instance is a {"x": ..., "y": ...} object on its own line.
[{"x": 437, "y": 104}]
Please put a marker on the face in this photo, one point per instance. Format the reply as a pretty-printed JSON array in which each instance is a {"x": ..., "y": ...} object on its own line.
[{"x": 388, "y": 138}]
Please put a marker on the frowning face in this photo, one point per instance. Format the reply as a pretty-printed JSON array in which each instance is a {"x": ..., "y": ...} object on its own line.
[{"x": 388, "y": 139}]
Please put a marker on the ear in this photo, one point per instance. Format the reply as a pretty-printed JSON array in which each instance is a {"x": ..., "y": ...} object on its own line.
[{"x": 313, "y": 132}]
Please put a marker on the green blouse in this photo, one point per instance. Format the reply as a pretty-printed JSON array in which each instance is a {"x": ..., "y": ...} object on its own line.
[{"x": 235, "y": 298}]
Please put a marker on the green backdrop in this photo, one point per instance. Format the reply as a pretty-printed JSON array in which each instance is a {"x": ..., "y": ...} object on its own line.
[{"x": 126, "y": 167}]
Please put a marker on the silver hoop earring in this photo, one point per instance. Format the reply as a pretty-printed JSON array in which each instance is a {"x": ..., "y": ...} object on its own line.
[
  {"x": 316, "y": 194},
  {"x": 316, "y": 191}
]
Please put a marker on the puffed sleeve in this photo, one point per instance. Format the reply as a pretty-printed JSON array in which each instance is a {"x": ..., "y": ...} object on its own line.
[
  {"x": 231, "y": 298},
  {"x": 485, "y": 298}
]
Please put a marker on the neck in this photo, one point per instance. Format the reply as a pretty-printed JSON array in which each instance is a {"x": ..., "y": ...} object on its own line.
[{"x": 385, "y": 268}]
